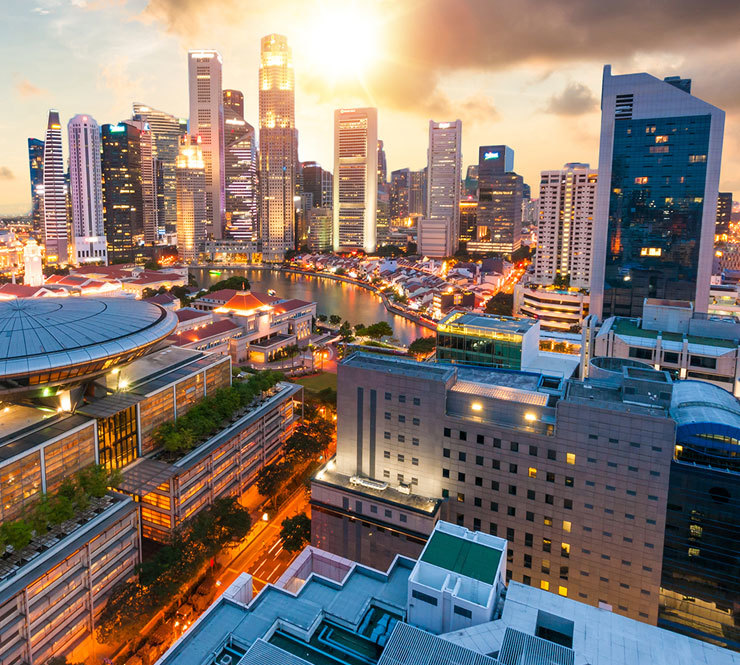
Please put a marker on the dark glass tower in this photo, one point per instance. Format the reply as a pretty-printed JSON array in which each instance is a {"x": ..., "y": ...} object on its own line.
[
  {"x": 36, "y": 164},
  {"x": 656, "y": 203}
]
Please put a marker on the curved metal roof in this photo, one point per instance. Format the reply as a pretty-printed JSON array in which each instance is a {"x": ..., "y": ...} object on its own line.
[
  {"x": 42, "y": 335},
  {"x": 703, "y": 410}
]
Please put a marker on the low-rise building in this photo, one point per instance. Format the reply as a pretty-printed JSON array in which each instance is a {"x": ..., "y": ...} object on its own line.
[{"x": 555, "y": 309}]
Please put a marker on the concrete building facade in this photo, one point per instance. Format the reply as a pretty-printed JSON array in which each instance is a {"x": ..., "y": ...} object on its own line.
[{"x": 444, "y": 172}]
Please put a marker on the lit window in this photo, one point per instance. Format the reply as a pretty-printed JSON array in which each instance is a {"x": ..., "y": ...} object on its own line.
[
  {"x": 563, "y": 591},
  {"x": 548, "y": 521},
  {"x": 570, "y": 458},
  {"x": 694, "y": 551},
  {"x": 641, "y": 180},
  {"x": 565, "y": 549},
  {"x": 662, "y": 138},
  {"x": 532, "y": 472},
  {"x": 566, "y": 526},
  {"x": 544, "y": 585}
]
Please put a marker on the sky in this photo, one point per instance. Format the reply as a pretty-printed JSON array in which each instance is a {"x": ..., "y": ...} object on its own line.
[{"x": 526, "y": 74}]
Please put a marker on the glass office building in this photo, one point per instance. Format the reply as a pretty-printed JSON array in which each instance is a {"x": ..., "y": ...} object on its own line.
[{"x": 656, "y": 203}]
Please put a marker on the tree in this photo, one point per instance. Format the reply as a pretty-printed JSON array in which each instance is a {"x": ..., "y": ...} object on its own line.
[
  {"x": 322, "y": 318},
  {"x": 335, "y": 319},
  {"x": 296, "y": 532},
  {"x": 270, "y": 480},
  {"x": 422, "y": 346},
  {"x": 502, "y": 303},
  {"x": 17, "y": 534},
  {"x": 307, "y": 442},
  {"x": 340, "y": 272},
  {"x": 237, "y": 282},
  {"x": 152, "y": 265},
  {"x": 377, "y": 330}
]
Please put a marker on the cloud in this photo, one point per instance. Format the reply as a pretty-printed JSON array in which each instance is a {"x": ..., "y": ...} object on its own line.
[
  {"x": 24, "y": 88},
  {"x": 6, "y": 173},
  {"x": 575, "y": 99}
]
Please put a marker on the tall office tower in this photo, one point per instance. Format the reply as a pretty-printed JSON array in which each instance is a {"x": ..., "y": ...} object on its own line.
[
  {"x": 56, "y": 238},
  {"x": 468, "y": 218},
  {"x": 355, "y": 179},
  {"x": 240, "y": 168},
  {"x": 499, "y": 200},
  {"x": 724, "y": 211},
  {"x": 383, "y": 215},
  {"x": 382, "y": 165},
  {"x": 444, "y": 167},
  {"x": 656, "y": 202},
  {"x": 207, "y": 122},
  {"x": 318, "y": 182},
  {"x": 565, "y": 233},
  {"x": 320, "y": 228},
  {"x": 125, "y": 148},
  {"x": 470, "y": 184},
  {"x": 526, "y": 191},
  {"x": 165, "y": 131},
  {"x": 400, "y": 194},
  {"x": 36, "y": 167},
  {"x": 86, "y": 190},
  {"x": 150, "y": 228},
  {"x": 234, "y": 103},
  {"x": 418, "y": 193},
  {"x": 190, "y": 170},
  {"x": 530, "y": 212},
  {"x": 278, "y": 147}
]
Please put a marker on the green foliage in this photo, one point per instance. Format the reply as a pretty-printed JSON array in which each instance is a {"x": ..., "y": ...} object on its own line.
[
  {"x": 327, "y": 396},
  {"x": 152, "y": 265},
  {"x": 238, "y": 282},
  {"x": 340, "y": 272},
  {"x": 132, "y": 604},
  {"x": 308, "y": 441},
  {"x": 501, "y": 303},
  {"x": 296, "y": 532},
  {"x": 423, "y": 345},
  {"x": 17, "y": 534},
  {"x": 335, "y": 319},
  {"x": 212, "y": 413},
  {"x": 375, "y": 331},
  {"x": 322, "y": 318},
  {"x": 271, "y": 478}
]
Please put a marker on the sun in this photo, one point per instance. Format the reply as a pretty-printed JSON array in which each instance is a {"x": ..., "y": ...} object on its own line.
[{"x": 345, "y": 39}]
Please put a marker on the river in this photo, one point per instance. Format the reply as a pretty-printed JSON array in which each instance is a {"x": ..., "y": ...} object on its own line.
[{"x": 351, "y": 302}]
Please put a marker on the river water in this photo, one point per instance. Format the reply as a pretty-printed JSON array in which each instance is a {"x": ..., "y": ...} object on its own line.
[{"x": 351, "y": 302}]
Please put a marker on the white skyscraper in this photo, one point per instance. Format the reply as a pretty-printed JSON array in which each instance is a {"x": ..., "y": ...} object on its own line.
[
  {"x": 278, "y": 140},
  {"x": 444, "y": 167},
  {"x": 565, "y": 230},
  {"x": 355, "y": 178},
  {"x": 86, "y": 191},
  {"x": 207, "y": 122},
  {"x": 191, "y": 200},
  {"x": 56, "y": 240}
]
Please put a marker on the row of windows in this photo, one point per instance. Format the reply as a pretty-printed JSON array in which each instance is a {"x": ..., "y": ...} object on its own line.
[
  {"x": 402, "y": 399},
  {"x": 402, "y": 418}
]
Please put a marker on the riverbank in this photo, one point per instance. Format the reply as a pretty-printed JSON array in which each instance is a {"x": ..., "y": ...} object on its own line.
[{"x": 389, "y": 306}]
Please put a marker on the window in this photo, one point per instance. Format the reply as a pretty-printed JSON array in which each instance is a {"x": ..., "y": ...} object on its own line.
[
  {"x": 569, "y": 481},
  {"x": 528, "y": 540},
  {"x": 387, "y": 435},
  {"x": 387, "y": 454},
  {"x": 546, "y": 545},
  {"x": 526, "y": 579},
  {"x": 476, "y": 524},
  {"x": 445, "y": 473},
  {"x": 510, "y": 535},
  {"x": 550, "y": 477},
  {"x": 477, "y": 502},
  {"x": 388, "y": 513},
  {"x": 478, "y": 481},
  {"x": 544, "y": 585},
  {"x": 566, "y": 526},
  {"x": 590, "y": 483},
  {"x": 386, "y": 473},
  {"x": 447, "y": 431},
  {"x": 494, "y": 485},
  {"x": 415, "y": 461},
  {"x": 564, "y": 571},
  {"x": 402, "y": 517},
  {"x": 387, "y": 395},
  {"x": 530, "y": 516},
  {"x": 640, "y": 353},
  {"x": 670, "y": 357},
  {"x": 549, "y": 499},
  {"x": 402, "y": 399},
  {"x": 495, "y": 464},
  {"x": 593, "y": 436},
  {"x": 547, "y": 521},
  {"x": 563, "y": 591},
  {"x": 551, "y": 454},
  {"x": 387, "y": 415},
  {"x": 461, "y": 611},
  {"x": 512, "y": 490},
  {"x": 460, "y": 477},
  {"x": 531, "y": 495},
  {"x": 480, "y": 439},
  {"x": 463, "y": 436},
  {"x": 401, "y": 438},
  {"x": 545, "y": 566},
  {"x": 401, "y": 418},
  {"x": 570, "y": 458},
  {"x": 494, "y": 506},
  {"x": 461, "y": 456},
  {"x": 533, "y": 451},
  {"x": 527, "y": 560},
  {"x": 565, "y": 550},
  {"x": 515, "y": 446},
  {"x": 496, "y": 443},
  {"x": 513, "y": 468},
  {"x": 460, "y": 497},
  {"x": 568, "y": 504},
  {"x": 416, "y": 421},
  {"x": 511, "y": 511},
  {"x": 414, "y": 441},
  {"x": 445, "y": 452},
  {"x": 423, "y": 597},
  {"x": 417, "y": 401},
  {"x": 532, "y": 472},
  {"x": 479, "y": 460},
  {"x": 492, "y": 528}
]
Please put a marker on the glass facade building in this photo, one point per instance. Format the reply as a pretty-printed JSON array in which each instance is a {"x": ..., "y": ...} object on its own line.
[{"x": 657, "y": 195}]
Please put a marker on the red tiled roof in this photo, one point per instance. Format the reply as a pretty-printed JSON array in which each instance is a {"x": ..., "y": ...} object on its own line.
[
  {"x": 223, "y": 295},
  {"x": 149, "y": 277},
  {"x": 20, "y": 290},
  {"x": 190, "y": 314},
  {"x": 208, "y": 330},
  {"x": 289, "y": 305},
  {"x": 246, "y": 301},
  {"x": 161, "y": 299}
]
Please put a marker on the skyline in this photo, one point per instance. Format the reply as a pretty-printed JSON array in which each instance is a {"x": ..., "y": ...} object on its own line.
[{"x": 529, "y": 87}]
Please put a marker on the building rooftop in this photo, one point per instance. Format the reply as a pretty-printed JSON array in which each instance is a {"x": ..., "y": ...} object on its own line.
[
  {"x": 400, "y": 365},
  {"x": 204, "y": 332},
  {"x": 630, "y": 328},
  {"x": 465, "y": 556}
]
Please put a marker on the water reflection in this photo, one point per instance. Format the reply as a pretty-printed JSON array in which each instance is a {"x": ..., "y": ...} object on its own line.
[{"x": 348, "y": 301}]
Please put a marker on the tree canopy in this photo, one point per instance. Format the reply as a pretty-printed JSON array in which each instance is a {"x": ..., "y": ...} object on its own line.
[
  {"x": 423, "y": 345},
  {"x": 296, "y": 532},
  {"x": 375, "y": 331},
  {"x": 502, "y": 303},
  {"x": 237, "y": 282}
]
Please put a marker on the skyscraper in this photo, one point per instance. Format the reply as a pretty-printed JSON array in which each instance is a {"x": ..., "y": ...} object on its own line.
[
  {"x": 355, "y": 179},
  {"x": 400, "y": 194},
  {"x": 382, "y": 164},
  {"x": 86, "y": 190},
  {"x": 444, "y": 165},
  {"x": 240, "y": 162},
  {"x": 318, "y": 182},
  {"x": 565, "y": 230},
  {"x": 656, "y": 202},
  {"x": 418, "y": 193},
  {"x": 724, "y": 211},
  {"x": 55, "y": 194},
  {"x": 36, "y": 166},
  {"x": 500, "y": 193},
  {"x": 278, "y": 147},
  {"x": 191, "y": 199},
  {"x": 207, "y": 122},
  {"x": 148, "y": 181},
  {"x": 166, "y": 131},
  {"x": 470, "y": 184}
]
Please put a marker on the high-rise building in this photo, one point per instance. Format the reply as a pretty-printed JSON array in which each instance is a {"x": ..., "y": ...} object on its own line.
[
  {"x": 56, "y": 237},
  {"x": 383, "y": 215},
  {"x": 355, "y": 179},
  {"x": 191, "y": 199},
  {"x": 240, "y": 161},
  {"x": 468, "y": 218},
  {"x": 724, "y": 211},
  {"x": 444, "y": 167},
  {"x": 207, "y": 122},
  {"x": 128, "y": 187},
  {"x": 318, "y": 182},
  {"x": 86, "y": 190},
  {"x": 320, "y": 229},
  {"x": 418, "y": 193},
  {"x": 166, "y": 131},
  {"x": 500, "y": 193},
  {"x": 470, "y": 184},
  {"x": 400, "y": 194},
  {"x": 382, "y": 165},
  {"x": 656, "y": 202},
  {"x": 565, "y": 232},
  {"x": 278, "y": 147},
  {"x": 36, "y": 167}
]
